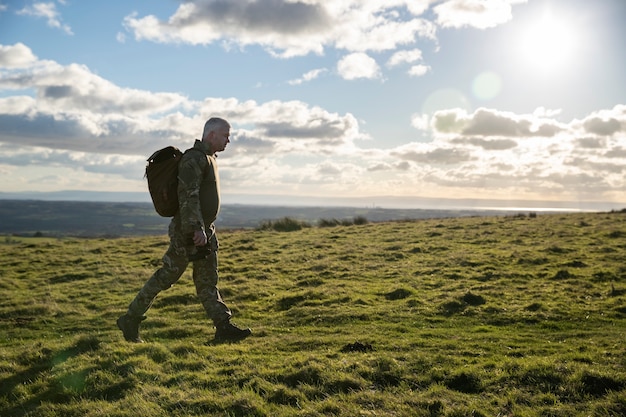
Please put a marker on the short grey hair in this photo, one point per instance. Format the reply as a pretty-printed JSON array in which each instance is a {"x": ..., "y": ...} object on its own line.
[{"x": 214, "y": 124}]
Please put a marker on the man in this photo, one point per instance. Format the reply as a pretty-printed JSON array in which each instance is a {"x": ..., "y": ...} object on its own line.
[{"x": 192, "y": 235}]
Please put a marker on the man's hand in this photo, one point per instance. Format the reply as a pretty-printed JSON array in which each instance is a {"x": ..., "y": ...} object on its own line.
[{"x": 199, "y": 238}]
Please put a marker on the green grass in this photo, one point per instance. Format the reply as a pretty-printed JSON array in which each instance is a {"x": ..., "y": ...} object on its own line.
[{"x": 485, "y": 316}]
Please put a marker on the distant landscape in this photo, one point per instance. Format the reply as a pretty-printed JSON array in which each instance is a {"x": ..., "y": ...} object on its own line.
[
  {"x": 111, "y": 219},
  {"x": 380, "y": 201}
]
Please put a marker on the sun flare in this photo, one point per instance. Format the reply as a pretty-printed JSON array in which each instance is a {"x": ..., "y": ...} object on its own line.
[{"x": 548, "y": 44}]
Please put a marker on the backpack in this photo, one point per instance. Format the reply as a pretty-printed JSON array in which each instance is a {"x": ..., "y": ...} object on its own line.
[{"x": 162, "y": 175}]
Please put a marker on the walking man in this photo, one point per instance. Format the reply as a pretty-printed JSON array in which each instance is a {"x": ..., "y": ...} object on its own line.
[{"x": 192, "y": 235}]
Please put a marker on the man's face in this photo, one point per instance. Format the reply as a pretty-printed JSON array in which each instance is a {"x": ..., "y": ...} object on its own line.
[{"x": 219, "y": 139}]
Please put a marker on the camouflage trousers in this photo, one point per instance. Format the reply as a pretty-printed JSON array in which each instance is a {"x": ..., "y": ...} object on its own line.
[{"x": 175, "y": 261}]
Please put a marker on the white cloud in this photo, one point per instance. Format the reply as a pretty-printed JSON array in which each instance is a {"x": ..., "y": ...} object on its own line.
[
  {"x": 79, "y": 125},
  {"x": 288, "y": 28},
  {"x": 487, "y": 144},
  {"x": 418, "y": 70},
  {"x": 74, "y": 87},
  {"x": 542, "y": 112},
  {"x": 481, "y": 14},
  {"x": 417, "y": 7},
  {"x": 358, "y": 65},
  {"x": 74, "y": 109},
  {"x": 308, "y": 76},
  {"x": 490, "y": 122},
  {"x": 420, "y": 121},
  {"x": 405, "y": 56},
  {"x": 527, "y": 154},
  {"x": 606, "y": 122},
  {"x": 16, "y": 56},
  {"x": 47, "y": 11},
  {"x": 409, "y": 57}
]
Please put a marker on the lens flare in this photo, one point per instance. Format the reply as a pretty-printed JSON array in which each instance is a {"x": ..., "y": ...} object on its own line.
[{"x": 487, "y": 85}]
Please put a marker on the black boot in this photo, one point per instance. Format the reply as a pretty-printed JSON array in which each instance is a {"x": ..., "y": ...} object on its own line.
[
  {"x": 228, "y": 332},
  {"x": 130, "y": 327}
]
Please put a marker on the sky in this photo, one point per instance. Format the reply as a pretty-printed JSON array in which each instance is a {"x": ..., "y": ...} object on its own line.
[{"x": 370, "y": 99}]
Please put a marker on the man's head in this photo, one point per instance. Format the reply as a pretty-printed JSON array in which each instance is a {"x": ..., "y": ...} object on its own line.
[{"x": 216, "y": 133}]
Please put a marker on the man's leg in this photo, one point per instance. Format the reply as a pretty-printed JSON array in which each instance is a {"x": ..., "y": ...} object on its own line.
[
  {"x": 205, "y": 277},
  {"x": 174, "y": 264}
]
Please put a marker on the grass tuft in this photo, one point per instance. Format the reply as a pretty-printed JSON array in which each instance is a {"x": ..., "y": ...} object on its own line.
[{"x": 286, "y": 224}]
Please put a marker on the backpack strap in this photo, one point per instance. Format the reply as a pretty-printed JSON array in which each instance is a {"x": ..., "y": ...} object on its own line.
[{"x": 194, "y": 149}]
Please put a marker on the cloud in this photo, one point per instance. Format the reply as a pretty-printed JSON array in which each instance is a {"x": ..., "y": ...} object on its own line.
[
  {"x": 420, "y": 121},
  {"x": 79, "y": 126},
  {"x": 76, "y": 124},
  {"x": 76, "y": 110},
  {"x": 16, "y": 56},
  {"x": 618, "y": 152},
  {"x": 402, "y": 57},
  {"x": 529, "y": 154},
  {"x": 418, "y": 70},
  {"x": 275, "y": 24},
  {"x": 287, "y": 129},
  {"x": 409, "y": 57},
  {"x": 261, "y": 16},
  {"x": 289, "y": 28},
  {"x": 489, "y": 122},
  {"x": 603, "y": 127},
  {"x": 110, "y": 163},
  {"x": 479, "y": 14},
  {"x": 358, "y": 65},
  {"x": 311, "y": 130},
  {"x": 308, "y": 76},
  {"x": 590, "y": 143},
  {"x": 492, "y": 144},
  {"x": 433, "y": 155},
  {"x": 47, "y": 11}
]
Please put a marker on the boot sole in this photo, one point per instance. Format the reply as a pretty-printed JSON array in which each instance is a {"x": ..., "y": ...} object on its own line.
[{"x": 242, "y": 336}]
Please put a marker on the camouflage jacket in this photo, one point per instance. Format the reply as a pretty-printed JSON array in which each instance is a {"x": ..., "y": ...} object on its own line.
[{"x": 198, "y": 190}]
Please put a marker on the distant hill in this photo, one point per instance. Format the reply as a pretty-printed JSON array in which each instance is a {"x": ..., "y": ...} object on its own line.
[
  {"x": 386, "y": 201},
  {"x": 93, "y": 219}
]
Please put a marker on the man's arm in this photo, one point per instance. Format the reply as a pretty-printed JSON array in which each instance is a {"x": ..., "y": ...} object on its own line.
[{"x": 190, "y": 173}]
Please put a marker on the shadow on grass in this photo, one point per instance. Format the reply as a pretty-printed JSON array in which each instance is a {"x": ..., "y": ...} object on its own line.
[
  {"x": 464, "y": 382},
  {"x": 598, "y": 385},
  {"x": 60, "y": 390}
]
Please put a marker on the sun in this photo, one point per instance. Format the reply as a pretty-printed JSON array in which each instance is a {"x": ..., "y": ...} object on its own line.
[{"x": 547, "y": 45}]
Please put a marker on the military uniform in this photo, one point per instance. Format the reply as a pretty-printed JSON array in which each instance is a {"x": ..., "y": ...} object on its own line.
[{"x": 199, "y": 197}]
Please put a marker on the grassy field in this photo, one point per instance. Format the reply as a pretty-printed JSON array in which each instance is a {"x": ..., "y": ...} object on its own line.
[{"x": 483, "y": 316}]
